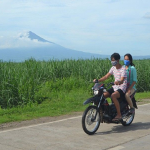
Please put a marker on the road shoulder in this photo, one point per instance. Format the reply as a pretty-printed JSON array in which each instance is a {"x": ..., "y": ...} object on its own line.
[{"x": 11, "y": 125}]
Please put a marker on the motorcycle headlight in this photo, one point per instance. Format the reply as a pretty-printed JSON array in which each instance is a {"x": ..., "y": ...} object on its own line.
[{"x": 95, "y": 92}]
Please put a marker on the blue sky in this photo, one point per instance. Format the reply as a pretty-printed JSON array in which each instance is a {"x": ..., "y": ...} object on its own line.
[{"x": 96, "y": 26}]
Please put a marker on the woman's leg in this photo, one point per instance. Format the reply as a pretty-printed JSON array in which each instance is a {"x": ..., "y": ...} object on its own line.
[{"x": 127, "y": 96}]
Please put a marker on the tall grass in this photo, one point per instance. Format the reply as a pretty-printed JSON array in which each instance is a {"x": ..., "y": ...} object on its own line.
[
  {"x": 143, "y": 73},
  {"x": 23, "y": 83}
]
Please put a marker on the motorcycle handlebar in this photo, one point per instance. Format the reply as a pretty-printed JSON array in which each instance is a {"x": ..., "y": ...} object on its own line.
[
  {"x": 111, "y": 83},
  {"x": 96, "y": 81}
]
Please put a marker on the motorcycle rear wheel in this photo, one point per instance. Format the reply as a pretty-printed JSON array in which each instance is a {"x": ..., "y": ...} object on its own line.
[
  {"x": 128, "y": 120},
  {"x": 90, "y": 126}
]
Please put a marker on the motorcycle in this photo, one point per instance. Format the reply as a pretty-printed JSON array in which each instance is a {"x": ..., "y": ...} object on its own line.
[{"x": 102, "y": 112}]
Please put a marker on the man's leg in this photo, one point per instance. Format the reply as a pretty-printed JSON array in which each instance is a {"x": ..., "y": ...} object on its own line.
[
  {"x": 106, "y": 94},
  {"x": 114, "y": 97}
]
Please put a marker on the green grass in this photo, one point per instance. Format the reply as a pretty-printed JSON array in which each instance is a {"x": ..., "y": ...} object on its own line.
[
  {"x": 144, "y": 95},
  {"x": 64, "y": 103}
]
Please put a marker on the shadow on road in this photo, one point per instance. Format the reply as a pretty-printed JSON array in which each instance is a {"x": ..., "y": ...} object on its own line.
[{"x": 120, "y": 129}]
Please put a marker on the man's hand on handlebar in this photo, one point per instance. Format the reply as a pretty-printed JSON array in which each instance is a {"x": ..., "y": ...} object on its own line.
[
  {"x": 95, "y": 80},
  {"x": 117, "y": 83}
]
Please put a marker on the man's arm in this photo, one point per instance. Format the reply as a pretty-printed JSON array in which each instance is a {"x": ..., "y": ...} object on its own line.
[{"x": 104, "y": 77}]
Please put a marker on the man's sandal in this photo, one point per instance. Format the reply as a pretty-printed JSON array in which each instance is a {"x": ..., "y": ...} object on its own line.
[{"x": 116, "y": 119}]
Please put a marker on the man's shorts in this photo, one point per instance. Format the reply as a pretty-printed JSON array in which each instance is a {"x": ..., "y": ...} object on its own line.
[{"x": 111, "y": 90}]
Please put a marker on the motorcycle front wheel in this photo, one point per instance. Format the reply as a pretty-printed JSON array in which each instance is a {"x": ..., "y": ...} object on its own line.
[{"x": 89, "y": 125}]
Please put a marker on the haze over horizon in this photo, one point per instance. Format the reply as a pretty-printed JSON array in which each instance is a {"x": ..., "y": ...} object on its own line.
[{"x": 100, "y": 27}]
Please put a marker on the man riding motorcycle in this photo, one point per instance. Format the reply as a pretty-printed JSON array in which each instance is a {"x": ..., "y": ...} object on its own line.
[{"x": 118, "y": 90}]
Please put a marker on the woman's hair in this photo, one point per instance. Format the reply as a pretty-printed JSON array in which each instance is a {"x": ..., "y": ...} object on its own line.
[
  {"x": 130, "y": 58},
  {"x": 116, "y": 56}
]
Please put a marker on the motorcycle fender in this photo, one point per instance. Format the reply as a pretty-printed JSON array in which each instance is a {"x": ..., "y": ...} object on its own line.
[
  {"x": 92, "y": 99},
  {"x": 134, "y": 103}
]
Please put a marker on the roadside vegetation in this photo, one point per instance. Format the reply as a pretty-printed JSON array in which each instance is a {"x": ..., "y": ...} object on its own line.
[{"x": 33, "y": 89}]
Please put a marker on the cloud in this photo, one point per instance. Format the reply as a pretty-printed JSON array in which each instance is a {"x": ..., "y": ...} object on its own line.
[
  {"x": 147, "y": 15},
  {"x": 14, "y": 42},
  {"x": 112, "y": 1},
  {"x": 82, "y": 25}
]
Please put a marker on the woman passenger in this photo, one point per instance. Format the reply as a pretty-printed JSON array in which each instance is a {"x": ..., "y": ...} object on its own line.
[{"x": 131, "y": 80}]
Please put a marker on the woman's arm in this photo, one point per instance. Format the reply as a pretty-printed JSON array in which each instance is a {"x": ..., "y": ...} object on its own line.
[
  {"x": 133, "y": 83},
  {"x": 134, "y": 73}
]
